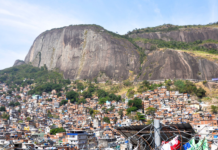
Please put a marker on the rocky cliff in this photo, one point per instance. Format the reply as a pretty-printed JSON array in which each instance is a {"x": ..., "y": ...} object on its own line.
[
  {"x": 90, "y": 51},
  {"x": 85, "y": 52},
  {"x": 18, "y": 62},
  {"x": 183, "y": 34},
  {"x": 170, "y": 64}
]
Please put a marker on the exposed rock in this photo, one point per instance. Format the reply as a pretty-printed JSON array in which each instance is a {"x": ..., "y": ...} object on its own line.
[
  {"x": 184, "y": 35},
  {"x": 143, "y": 45},
  {"x": 211, "y": 46},
  {"x": 88, "y": 52},
  {"x": 84, "y": 52},
  {"x": 170, "y": 64},
  {"x": 18, "y": 62}
]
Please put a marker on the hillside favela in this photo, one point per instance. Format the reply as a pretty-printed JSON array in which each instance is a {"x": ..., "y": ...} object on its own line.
[{"x": 143, "y": 77}]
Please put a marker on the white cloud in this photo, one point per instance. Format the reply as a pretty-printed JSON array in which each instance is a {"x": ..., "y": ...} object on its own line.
[
  {"x": 213, "y": 11},
  {"x": 21, "y": 22}
]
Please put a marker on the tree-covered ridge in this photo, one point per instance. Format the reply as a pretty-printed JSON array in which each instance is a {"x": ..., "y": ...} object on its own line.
[
  {"x": 195, "y": 46},
  {"x": 168, "y": 27},
  {"x": 27, "y": 74}
]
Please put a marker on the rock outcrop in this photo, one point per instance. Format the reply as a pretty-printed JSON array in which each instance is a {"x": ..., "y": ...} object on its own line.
[
  {"x": 90, "y": 51},
  {"x": 170, "y": 64},
  {"x": 18, "y": 62},
  {"x": 85, "y": 52},
  {"x": 184, "y": 35}
]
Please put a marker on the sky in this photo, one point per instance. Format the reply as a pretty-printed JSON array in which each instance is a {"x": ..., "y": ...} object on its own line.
[{"x": 21, "y": 21}]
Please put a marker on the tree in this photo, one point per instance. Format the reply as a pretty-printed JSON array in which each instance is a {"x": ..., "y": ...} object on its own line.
[
  {"x": 102, "y": 100},
  {"x": 59, "y": 94},
  {"x": 5, "y": 116},
  {"x": 106, "y": 119},
  {"x": 18, "y": 88},
  {"x": 101, "y": 93},
  {"x": 18, "y": 96},
  {"x": 136, "y": 102},
  {"x": 9, "y": 92},
  {"x": 72, "y": 95},
  {"x": 130, "y": 92},
  {"x": 87, "y": 94},
  {"x": 91, "y": 111},
  {"x": 140, "y": 116},
  {"x": 2, "y": 108},
  {"x": 150, "y": 111},
  {"x": 82, "y": 100},
  {"x": 127, "y": 83},
  {"x": 200, "y": 92},
  {"x": 120, "y": 112},
  {"x": 57, "y": 130},
  {"x": 63, "y": 102},
  {"x": 214, "y": 109},
  {"x": 11, "y": 104},
  {"x": 80, "y": 86},
  {"x": 129, "y": 110},
  {"x": 16, "y": 103}
]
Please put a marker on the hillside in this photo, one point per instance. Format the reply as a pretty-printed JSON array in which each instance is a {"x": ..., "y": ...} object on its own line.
[
  {"x": 91, "y": 52},
  {"x": 84, "y": 52}
]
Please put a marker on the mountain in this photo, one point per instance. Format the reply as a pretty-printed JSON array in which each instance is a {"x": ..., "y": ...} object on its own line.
[
  {"x": 177, "y": 33},
  {"x": 18, "y": 62},
  {"x": 84, "y": 52},
  {"x": 92, "y": 52},
  {"x": 170, "y": 64}
]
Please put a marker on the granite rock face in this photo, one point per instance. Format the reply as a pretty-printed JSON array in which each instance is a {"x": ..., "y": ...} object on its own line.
[
  {"x": 84, "y": 52},
  {"x": 18, "y": 62},
  {"x": 184, "y": 35},
  {"x": 89, "y": 52},
  {"x": 170, "y": 64}
]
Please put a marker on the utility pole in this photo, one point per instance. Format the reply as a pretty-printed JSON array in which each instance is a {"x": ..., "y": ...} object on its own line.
[{"x": 157, "y": 132}]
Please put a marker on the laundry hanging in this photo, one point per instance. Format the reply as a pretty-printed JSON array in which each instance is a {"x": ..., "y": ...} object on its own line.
[
  {"x": 201, "y": 145},
  {"x": 174, "y": 144}
]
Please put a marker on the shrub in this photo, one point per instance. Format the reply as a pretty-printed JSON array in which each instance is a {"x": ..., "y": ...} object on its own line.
[{"x": 106, "y": 119}]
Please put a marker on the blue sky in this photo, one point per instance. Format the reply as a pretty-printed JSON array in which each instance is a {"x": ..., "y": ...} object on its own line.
[{"x": 21, "y": 21}]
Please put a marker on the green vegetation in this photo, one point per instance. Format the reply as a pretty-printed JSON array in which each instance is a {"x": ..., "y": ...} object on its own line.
[
  {"x": 73, "y": 96},
  {"x": 14, "y": 104},
  {"x": 188, "y": 87},
  {"x": 140, "y": 116},
  {"x": 20, "y": 121},
  {"x": 2, "y": 108},
  {"x": 82, "y": 100},
  {"x": 195, "y": 46},
  {"x": 127, "y": 83},
  {"x": 57, "y": 130},
  {"x": 120, "y": 112},
  {"x": 167, "y": 28},
  {"x": 214, "y": 109},
  {"x": 150, "y": 111},
  {"x": 80, "y": 86},
  {"x": 134, "y": 105},
  {"x": 5, "y": 116},
  {"x": 130, "y": 92},
  {"x": 106, "y": 119},
  {"x": 49, "y": 99},
  {"x": 145, "y": 85},
  {"x": 91, "y": 111},
  {"x": 27, "y": 74},
  {"x": 46, "y": 87},
  {"x": 63, "y": 102},
  {"x": 28, "y": 119}
]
